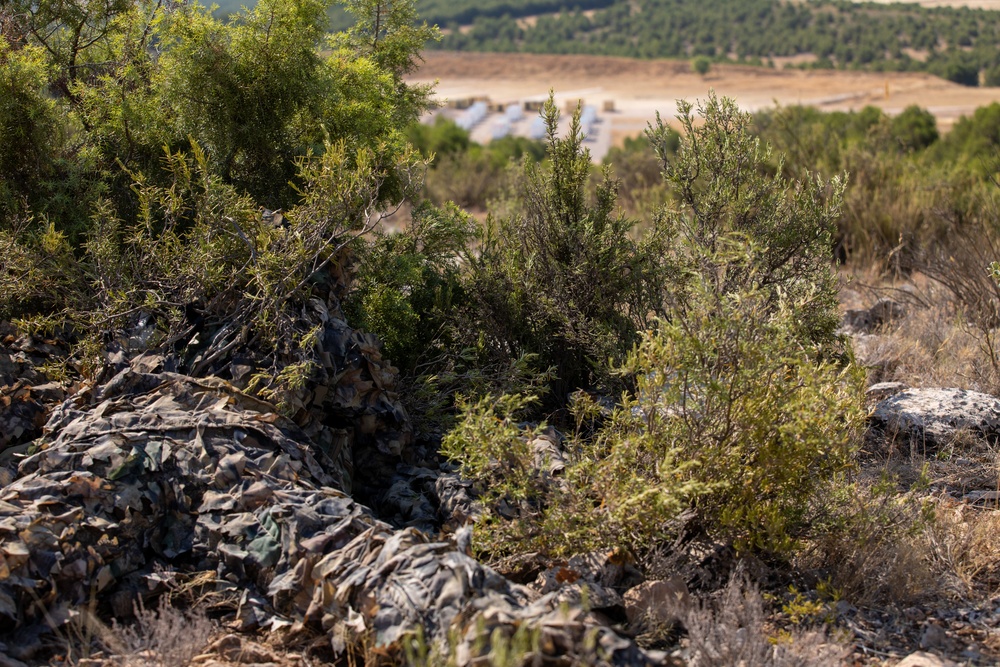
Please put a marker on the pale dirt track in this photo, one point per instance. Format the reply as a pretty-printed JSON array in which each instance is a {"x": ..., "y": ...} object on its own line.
[{"x": 640, "y": 88}]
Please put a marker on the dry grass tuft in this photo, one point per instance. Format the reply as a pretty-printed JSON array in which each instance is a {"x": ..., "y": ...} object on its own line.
[
  {"x": 162, "y": 637},
  {"x": 966, "y": 550},
  {"x": 877, "y": 572},
  {"x": 911, "y": 535},
  {"x": 934, "y": 344},
  {"x": 876, "y": 552},
  {"x": 733, "y": 630}
]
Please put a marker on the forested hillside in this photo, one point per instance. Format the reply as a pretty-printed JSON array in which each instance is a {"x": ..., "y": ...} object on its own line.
[
  {"x": 958, "y": 44},
  {"x": 444, "y": 12}
]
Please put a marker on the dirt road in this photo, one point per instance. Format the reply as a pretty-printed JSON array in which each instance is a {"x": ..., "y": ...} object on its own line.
[{"x": 640, "y": 88}]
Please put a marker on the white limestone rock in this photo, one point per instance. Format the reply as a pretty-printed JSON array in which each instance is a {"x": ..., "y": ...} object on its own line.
[{"x": 935, "y": 416}]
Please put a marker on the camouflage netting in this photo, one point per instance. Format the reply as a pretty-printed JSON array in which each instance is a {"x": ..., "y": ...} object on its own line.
[
  {"x": 157, "y": 469},
  {"x": 26, "y": 393},
  {"x": 166, "y": 467},
  {"x": 348, "y": 407}
]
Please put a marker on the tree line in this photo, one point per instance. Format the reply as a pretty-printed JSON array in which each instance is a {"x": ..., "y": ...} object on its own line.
[
  {"x": 956, "y": 43},
  {"x": 448, "y": 12}
]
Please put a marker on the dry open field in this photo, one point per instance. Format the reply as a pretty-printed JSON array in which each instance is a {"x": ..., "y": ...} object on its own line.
[
  {"x": 640, "y": 88},
  {"x": 975, "y": 4}
]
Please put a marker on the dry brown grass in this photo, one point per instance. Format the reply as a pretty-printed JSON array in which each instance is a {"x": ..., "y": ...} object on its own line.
[
  {"x": 878, "y": 555},
  {"x": 161, "y": 637},
  {"x": 965, "y": 548},
  {"x": 933, "y": 345},
  {"x": 898, "y": 548},
  {"x": 734, "y": 630},
  {"x": 907, "y": 533}
]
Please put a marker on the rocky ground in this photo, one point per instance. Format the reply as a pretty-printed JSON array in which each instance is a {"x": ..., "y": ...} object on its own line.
[{"x": 942, "y": 444}]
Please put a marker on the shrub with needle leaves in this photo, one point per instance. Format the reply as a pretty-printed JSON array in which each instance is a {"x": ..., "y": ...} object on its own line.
[{"x": 742, "y": 404}]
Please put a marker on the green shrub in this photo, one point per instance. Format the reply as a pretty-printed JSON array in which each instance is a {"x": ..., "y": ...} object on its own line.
[
  {"x": 39, "y": 274},
  {"x": 724, "y": 195},
  {"x": 641, "y": 191},
  {"x": 257, "y": 94},
  {"x": 732, "y": 418},
  {"x": 743, "y": 405},
  {"x": 178, "y": 150},
  {"x": 466, "y": 173},
  {"x": 200, "y": 258},
  {"x": 471, "y": 179},
  {"x": 186, "y": 245},
  {"x": 701, "y": 65},
  {"x": 731, "y": 384},
  {"x": 29, "y": 126},
  {"x": 558, "y": 276},
  {"x": 973, "y": 138},
  {"x": 442, "y": 138},
  {"x": 915, "y": 128},
  {"x": 408, "y": 282}
]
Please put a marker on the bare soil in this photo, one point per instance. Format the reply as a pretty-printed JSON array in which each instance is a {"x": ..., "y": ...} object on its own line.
[{"x": 640, "y": 88}]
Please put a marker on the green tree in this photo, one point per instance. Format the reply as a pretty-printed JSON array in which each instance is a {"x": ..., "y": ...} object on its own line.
[
  {"x": 915, "y": 128},
  {"x": 701, "y": 65}
]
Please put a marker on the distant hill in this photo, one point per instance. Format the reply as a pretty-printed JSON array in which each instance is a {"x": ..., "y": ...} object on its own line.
[
  {"x": 956, "y": 43},
  {"x": 464, "y": 12},
  {"x": 974, "y": 4},
  {"x": 959, "y": 44},
  {"x": 460, "y": 12}
]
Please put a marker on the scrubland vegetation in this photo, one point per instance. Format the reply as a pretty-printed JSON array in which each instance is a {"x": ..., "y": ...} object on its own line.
[{"x": 675, "y": 314}]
